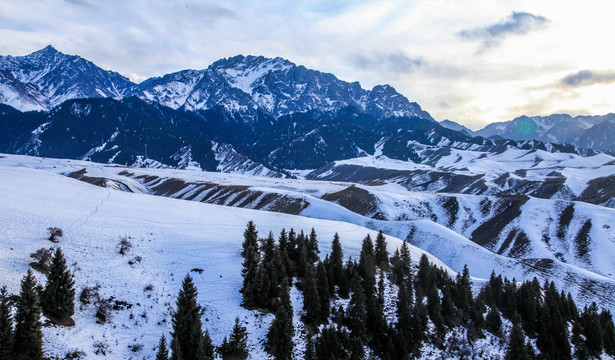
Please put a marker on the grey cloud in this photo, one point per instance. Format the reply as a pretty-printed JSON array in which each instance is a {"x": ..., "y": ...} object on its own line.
[
  {"x": 79, "y": 2},
  {"x": 396, "y": 62},
  {"x": 589, "y": 77},
  {"x": 518, "y": 23}
]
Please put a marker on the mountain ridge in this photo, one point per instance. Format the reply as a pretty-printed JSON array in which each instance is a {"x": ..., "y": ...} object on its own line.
[
  {"x": 588, "y": 131},
  {"x": 45, "y": 78}
]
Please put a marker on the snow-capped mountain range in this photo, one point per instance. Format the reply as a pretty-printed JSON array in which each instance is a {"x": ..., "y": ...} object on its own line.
[
  {"x": 592, "y": 132},
  {"x": 46, "y": 78},
  {"x": 187, "y": 159}
]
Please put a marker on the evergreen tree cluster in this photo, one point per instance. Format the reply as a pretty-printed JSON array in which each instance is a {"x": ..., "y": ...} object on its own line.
[
  {"x": 21, "y": 336},
  {"x": 426, "y": 294},
  {"x": 542, "y": 313}
]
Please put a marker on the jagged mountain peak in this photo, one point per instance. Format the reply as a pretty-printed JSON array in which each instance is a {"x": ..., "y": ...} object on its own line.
[
  {"x": 276, "y": 86},
  {"x": 239, "y": 84},
  {"x": 249, "y": 61},
  {"x": 47, "y": 50},
  {"x": 47, "y": 77}
]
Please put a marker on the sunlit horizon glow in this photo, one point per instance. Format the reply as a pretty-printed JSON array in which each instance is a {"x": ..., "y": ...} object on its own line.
[{"x": 472, "y": 62}]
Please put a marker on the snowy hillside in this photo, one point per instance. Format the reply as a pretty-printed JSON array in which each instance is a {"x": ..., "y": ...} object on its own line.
[
  {"x": 511, "y": 171},
  {"x": 169, "y": 238},
  {"x": 425, "y": 219}
]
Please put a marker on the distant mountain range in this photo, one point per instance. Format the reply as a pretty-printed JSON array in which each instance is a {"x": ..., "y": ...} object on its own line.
[
  {"x": 243, "y": 114},
  {"x": 591, "y": 132}
]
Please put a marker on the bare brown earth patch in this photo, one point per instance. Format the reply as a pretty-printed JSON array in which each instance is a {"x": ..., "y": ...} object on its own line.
[
  {"x": 508, "y": 209},
  {"x": 80, "y": 175},
  {"x": 599, "y": 191},
  {"x": 356, "y": 200}
]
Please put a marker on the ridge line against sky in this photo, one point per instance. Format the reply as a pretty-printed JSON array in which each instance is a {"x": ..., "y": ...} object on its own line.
[{"x": 473, "y": 62}]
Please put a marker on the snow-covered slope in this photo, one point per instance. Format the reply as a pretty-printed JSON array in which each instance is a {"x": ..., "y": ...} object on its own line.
[
  {"x": 425, "y": 220},
  {"x": 169, "y": 237},
  {"x": 511, "y": 171}
]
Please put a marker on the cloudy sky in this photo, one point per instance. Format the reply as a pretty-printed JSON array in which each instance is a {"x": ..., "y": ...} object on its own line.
[{"x": 470, "y": 61}]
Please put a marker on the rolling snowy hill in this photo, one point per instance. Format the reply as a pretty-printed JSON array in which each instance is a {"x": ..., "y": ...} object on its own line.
[
  {"x": 169, "y": 238},
  {"x": 526, "y": 245}
]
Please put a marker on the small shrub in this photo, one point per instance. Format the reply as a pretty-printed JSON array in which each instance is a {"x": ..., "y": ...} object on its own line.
[
  {"x": 149, "y": 287},
  {"x": 54, "y": 234},
  {"x": 135, "y": 347},
  {"x": 42, "y": 259},
  {"x": 134, "y": 260},
  {"x": 89, "y": 295},
  {"x": 103, "y": 310},
  {"x": 120, "y": 305},
  {"x": 75, "y": 355},
  {"x": 100, "y": 348},
  {"x": 124, "y": 245}
]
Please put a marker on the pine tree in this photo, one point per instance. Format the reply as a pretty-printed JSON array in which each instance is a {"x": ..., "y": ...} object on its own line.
[
  {"x": 377, "y": 327},
  {"x": 236, "y": 346},
  {"x": 517, "y": 348},
  {"x": 312, "y": 247},
  {"x": 367, "y": 262},
  {"x": 381, "y": 253},
  {"x": 323, "y": 291},
  {"x": 301, "y": 254},
  {"x": 580, "y": 350},
  {"x": 58, "y": 298},
  {"x": 463, "y": 291},
  {"x": 404, "y": 322},
  {"x": 592, "y": 329},
  {"x": 6, "y": 327},
  {"x": 435, "y": 310},
  {"x": 553, "y": 339},
  {"x": 418, "y": 325},
  {"x": 367, "y": 267},
  {"x": 423, "y": 276},
  {"x": 357, "y": 311},
  {"x": 336, "y": 261},
  {"x": 329, "y": 345},
  {"x": 249, "y": 270},
  {"x": 163, "y": 352},
  {"x": 270, "y": 275},
  {"x": 279, "y": 341},
  {"x": 283, "y": 246},
  {"x": 608, "y": 329},
  {"x": 311, "y": 299},
  {"x": 310, "y": 349},
  {"x": 28, "y": 340},
  {"x": 207, "y": 349},
  {"x": 176, "y": 351},
  {"x": 187, "y": 327},
  {"x": 494, "y": 322},
  {"x": 406, "y": 261},
  {"x": 292, "y": 248}
]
